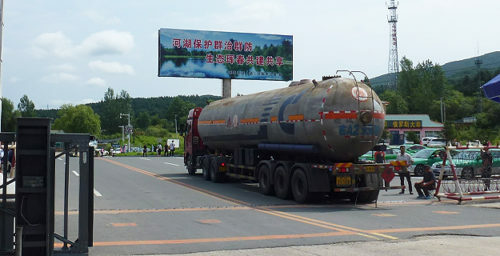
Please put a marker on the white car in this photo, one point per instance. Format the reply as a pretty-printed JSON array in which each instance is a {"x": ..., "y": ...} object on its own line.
[
  {"x": 426, "y": 140},
  {"x": 436, "y": 142}
]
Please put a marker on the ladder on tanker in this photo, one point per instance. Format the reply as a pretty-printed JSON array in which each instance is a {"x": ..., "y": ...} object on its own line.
[{"x": 360, "y": 111}]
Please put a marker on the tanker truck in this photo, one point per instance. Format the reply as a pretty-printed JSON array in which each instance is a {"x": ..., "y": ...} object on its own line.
[{"x": 299, "y": 141}]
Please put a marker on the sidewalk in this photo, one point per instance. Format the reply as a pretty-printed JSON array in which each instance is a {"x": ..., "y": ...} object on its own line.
[{"x": 429, "y": 245}]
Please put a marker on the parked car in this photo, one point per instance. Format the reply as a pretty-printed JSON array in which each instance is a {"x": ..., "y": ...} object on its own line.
[
  {"x": 414, "y": 148},
  {"x": 426, "y": 140},
  {"x": 424, "y": 157},
  {"x": 468, "y": 164},
  {"x": 437, "y": 142},
  {"x": 390, "y": 154}
]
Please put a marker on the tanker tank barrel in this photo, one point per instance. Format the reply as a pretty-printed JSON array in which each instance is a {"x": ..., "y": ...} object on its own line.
[{"x": 288, "y": 148}]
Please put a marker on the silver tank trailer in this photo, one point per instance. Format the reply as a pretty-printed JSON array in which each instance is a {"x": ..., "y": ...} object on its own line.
[{"x": 339, "y": 119}]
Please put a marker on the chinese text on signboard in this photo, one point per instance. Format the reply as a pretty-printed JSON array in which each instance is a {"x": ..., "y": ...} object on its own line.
[
  {"x": 403, "y": 124},
  {"x": 210, "y": 54}
]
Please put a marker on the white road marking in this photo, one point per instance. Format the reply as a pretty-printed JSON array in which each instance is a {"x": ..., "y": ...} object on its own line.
[
  {"x": 143, "y": 158},
  {"x": 96, "y": 193},
  {"x": 171, "y": 164},
  {"x": 77, "y": 174}
]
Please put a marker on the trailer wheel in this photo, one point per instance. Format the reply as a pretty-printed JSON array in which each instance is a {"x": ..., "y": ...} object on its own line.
[
  {"x": 300, "y": 187},
  {"x": 215, "y": 175},
  {"x": 190, "y": 166},
  {"x": 265, "y": 185},
  {"x": 206, "y": 165},
  {"x": 281, "y": 183}
]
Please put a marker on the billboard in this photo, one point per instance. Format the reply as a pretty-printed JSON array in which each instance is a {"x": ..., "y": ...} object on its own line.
[{"x": 213, "y": 54}]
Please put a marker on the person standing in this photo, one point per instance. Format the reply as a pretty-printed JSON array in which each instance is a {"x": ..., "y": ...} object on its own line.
[
  {"x": 144, "y": 151},
  {"x": 428, "y": 183},
  {"x": 404, "y": 171},
  {"x": 172, "y": 148},
  {"x": 487, "y": 159},
  {"x": 166, "y": 149}
]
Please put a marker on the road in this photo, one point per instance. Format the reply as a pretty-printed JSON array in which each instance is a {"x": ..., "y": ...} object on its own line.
[{"x": 151, "y": 206}]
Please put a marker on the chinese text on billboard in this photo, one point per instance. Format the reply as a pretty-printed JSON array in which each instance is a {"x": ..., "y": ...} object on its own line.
[{"x": 212, "y": 54}]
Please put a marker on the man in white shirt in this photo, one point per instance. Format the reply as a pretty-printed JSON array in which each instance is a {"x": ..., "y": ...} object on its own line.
[{"x": 404, "y": 172}]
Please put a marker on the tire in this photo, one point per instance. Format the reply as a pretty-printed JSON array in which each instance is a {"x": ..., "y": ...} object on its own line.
[
  {"x": 282, "y": 183},
  {"x": 206, "y": 167},
  {"x": 364, "y": 197},
  {"x": 265, "y": 185},
  {"x": 419, "y": 170},
  {"x": 215, "y": 175},
  {"x": 468, "y": 173},
  {"x": 190, "y": 166},
  {"x": 300, "y": 187}
]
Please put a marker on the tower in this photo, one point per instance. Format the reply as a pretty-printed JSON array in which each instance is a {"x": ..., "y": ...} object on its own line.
[{"x": 393, "y": 69}]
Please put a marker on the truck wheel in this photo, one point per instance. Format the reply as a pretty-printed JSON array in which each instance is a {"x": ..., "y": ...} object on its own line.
[
  {"x": 265, "y": 180},
  {"x": 190, "y": 166},
  {"x": 206, "y": 166},
  {"x": 300, "y": 187},
  {"x": 468, "y": 173},
  {"x": 365, "y": 196},
  {"x": 419, "y": 170},
  {"x": 215, "y": 175},
  {"x": 281, "y": 183}
]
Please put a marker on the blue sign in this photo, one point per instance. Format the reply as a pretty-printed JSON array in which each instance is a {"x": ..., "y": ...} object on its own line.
[{"x": 213, "y": 54}]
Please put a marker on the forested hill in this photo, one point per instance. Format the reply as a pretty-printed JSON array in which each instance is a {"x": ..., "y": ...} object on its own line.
[
  {"x": 154, "y": 106},
  {"x": 456, "y": 70}
]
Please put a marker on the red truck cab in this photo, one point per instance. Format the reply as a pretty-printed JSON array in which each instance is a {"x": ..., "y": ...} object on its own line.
[{"x": 193, "y": 145}]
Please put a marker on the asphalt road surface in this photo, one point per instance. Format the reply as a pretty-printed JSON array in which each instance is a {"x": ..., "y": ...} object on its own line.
[{"x": 151, "y": 206}]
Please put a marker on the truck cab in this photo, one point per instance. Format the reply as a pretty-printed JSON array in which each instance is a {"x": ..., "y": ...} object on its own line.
[{"x": 193, "y": 144}]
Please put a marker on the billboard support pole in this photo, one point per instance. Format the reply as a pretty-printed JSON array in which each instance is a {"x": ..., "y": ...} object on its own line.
[{"x": 226, "y": 88}]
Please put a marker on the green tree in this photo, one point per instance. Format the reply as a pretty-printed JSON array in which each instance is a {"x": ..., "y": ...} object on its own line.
[
  {"x": 112, "y": 106},
  {"x": 9, "y": 116},
  {"x": 78, "y": 119},
  {"x": 397, "y": 104},
  {"x": 26, "y": 106},
  {"x": 179, "y": 109},
  {"x": 143, "y": 120}
]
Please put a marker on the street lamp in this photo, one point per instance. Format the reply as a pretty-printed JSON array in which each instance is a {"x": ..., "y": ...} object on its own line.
[
  {"x": 129, "y": 128},
  {"x": 123, "y": 132}
]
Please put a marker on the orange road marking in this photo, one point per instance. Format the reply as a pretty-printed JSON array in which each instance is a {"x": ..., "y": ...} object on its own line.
[
  {"x": 439, "y": 228},
  {"x": 215, "y": 239},
  {"x": 124, "y": 224},
  {"x": 125, "y": 211},
  {"x": 318, "y": 223},
  {"x": 383, "y": 215},
  {"x": 445, "y": 212},
  {"x": 209, "y": 221}
]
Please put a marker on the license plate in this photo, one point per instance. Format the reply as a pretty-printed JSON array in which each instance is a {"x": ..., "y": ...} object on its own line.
[
  {"x": 343, "y": 181},
  {"x": 222, "y": 168},
  {"x": 370, "y": 168}
]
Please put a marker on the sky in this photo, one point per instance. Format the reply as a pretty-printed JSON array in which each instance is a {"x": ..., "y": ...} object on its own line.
[{"x": 69, "y": 52}]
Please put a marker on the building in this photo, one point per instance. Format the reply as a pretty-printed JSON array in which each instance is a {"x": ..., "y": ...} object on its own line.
[{"x": 399, "y": 125}]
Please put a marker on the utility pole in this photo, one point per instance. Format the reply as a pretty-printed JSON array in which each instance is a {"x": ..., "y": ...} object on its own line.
[
  {"x": 175, "y": 125},
  {"x": 478, "y": 63},
  {"x": 129, "y": 129},
  {"x": 123, "y": 132}
]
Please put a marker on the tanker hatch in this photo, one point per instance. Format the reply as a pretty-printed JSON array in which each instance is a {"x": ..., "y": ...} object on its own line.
[{"x": 366, "y": 117}]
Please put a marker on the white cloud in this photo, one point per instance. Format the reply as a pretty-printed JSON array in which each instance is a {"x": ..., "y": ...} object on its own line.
[
  {"x": 53, "y": 44},
  {"x": 61, "y": 77},
  {"x": 66, "y": 67},
  {"x": 96, "y": 81},
  {"x": 14, "y": 79},
  {"x": 57, "y": 103},
  {"x": 99, "y": 18},
  {"x": 107, "y": 42},
  {"x": 111, "y": 67}
]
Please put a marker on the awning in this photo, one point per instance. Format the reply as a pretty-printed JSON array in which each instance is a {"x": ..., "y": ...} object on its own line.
[{"x": 492, "y": 89}]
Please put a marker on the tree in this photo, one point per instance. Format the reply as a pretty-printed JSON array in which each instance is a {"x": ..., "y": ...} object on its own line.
[
  {"x": 26, "y": 106},
  {"x": 180, "y": 109},
  {"x": 112, "y": 106},
  {"x": 78, "y": 119},
  {"x": 397, "y": 104},
  {"x": 9, "y": 116},
  {"x": 143, "y": 120}
]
